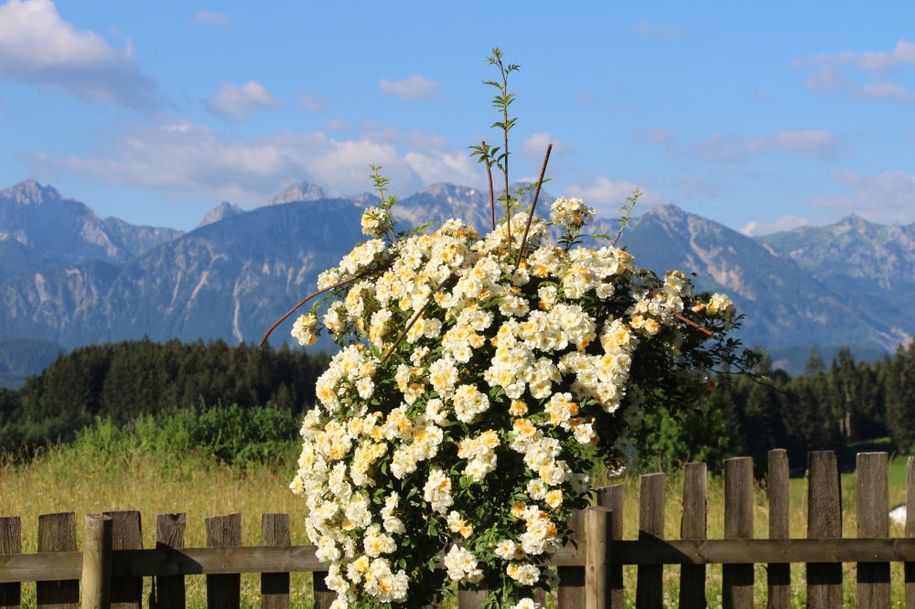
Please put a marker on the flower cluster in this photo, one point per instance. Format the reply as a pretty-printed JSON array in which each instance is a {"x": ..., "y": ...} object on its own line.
[{"x": 473, "y": 395}]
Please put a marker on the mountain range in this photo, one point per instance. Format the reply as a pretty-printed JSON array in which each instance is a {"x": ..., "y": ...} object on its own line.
[{"x": 70, "y": 278}]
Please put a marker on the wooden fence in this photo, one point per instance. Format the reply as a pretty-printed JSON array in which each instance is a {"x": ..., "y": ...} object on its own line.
[{"x": 112, "y": 564}]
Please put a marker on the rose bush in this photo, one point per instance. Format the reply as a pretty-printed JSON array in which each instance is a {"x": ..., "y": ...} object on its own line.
[{"x": 476, "y": 389}]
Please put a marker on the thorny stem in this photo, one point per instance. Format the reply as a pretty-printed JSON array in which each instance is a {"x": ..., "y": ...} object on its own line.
[
  {"x": 692, "y": 324},
  {"x": 530, "y": 215},
  {"x": 302, "y": 303},
  {"x": 492, "y": 194}
]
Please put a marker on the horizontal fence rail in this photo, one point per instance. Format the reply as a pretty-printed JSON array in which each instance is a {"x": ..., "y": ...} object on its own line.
[{"x": 111, "y": 567}]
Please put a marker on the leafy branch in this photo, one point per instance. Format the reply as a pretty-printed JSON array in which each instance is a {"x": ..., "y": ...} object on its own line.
[{"x": 502, "y": 101}]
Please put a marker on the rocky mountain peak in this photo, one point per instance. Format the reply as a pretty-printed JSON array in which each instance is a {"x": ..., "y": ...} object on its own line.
[
  {"x": 220, "y": 212},
  {"x": 30, "y": 192},
  {"x": 300, "y": 191}
]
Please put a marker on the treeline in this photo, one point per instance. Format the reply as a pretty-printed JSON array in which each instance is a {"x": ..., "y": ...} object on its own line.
[
  {"x": 123, "y": 381},
  {"x": 831, "y": 406}
]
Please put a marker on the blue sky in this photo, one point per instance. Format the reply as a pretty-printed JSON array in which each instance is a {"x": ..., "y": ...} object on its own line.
[{"x": 761, "y": 118}]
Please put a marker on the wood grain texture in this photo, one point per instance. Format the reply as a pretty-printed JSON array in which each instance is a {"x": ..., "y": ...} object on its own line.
[
  {"x": 872, "y": 503},
  {"x": 168, "y": 591},
  {"x": 778, "y": 575},
  {"x": 10, "y": 543},
  {"x": 57, "y": 533},
  {"x": 824, "y": 521},
  {"x": 96, "y": 574},
  {"x": 275, "y": 586},
  {"x": 693, "y": 525},
  {"x": 737, "y": 580},
  {"x": 598, "y": 525},
  {"x": 127, "y": 534},
  {"x": 612, "y": 497},
  {"x": 571, "y": 594},
  {"x": 223, "y": 591},
  {"x": 649, "y": 592}
]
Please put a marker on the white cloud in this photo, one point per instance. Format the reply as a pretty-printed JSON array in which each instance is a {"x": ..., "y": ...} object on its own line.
[
  {"x": 311, "y": 103},
  {"x": 415, "y": 87},
  {"x": 38, "y": 47},
  {"x": 211, "y": 18},
  {"x": 786, "y": 222},
  {"x": 809, "y": 143},
  {"x": 886, "y": 197},
  {"x": 336, "y": 124},
  {"x": 535, "y": 145},
  {"x": 607, "y": 195},
  {"x": 236, "y": 101},
  {"x": 861, "y": 74},
  {"x": 183, "y": 157}
]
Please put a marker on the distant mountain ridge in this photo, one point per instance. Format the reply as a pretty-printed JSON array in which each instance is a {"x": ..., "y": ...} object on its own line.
[{"x": 239, "y": 270}]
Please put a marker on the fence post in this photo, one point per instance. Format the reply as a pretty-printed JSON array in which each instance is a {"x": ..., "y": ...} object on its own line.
[
  {"x": 96, "y": 579},
  {"x": 168, "y": 590},
  {"x": 693, "y": 525},
  {"x": 10, "y": 543},
  {"x": 873, "y": 521},
  {"x": 737, "y": 580},
  {"x": 824, "y": 521},
  {"x": 778, "y": 487},
  {"x": 910, "y": 531},
  {"x": 571, "y": 594},
  {"x": 612, "y": 497},
  {"x": 126, "y": 534},
  {"x": 275, "y": 586},
  {"x": 649, "y": 591},
  {"x": 224, "y": 591},
  {"x": 57, "y": 533},
  {"x": 598, "y": 526}
]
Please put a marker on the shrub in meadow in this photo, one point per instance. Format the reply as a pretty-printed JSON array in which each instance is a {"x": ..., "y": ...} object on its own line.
[{"x": 480, "y": 379}]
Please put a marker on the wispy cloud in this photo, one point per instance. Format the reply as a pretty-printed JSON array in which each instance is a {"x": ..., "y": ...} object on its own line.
[
  {"x": 535, "y": 145},
  {"x": 414, "y": 88},
  {"x": 237, "y": 101},
  {"x": 786, "y": 222},
  {"x": 808, "y": 143},
  {"x": 211, "y": 18},
  {"x": 38, "y": 47},
  {"x": 650, "y": 30},
  {"x": 311, "y": 103},
  {"x": 885, "y": 197},
  {"x": 607, "y": 195},
  {"x": 861, "y": 74},
  {"x": 184, "y": 157}
]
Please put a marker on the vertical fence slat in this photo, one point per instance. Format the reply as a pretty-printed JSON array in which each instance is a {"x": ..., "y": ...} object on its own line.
[
  {"x": 649, "y": 592},
  {"x": 10, "y": 543},
  {"x": 571, "y": 594},
  {"x": 612, "y": 497},
  {"x": 598, "y": 525},
  {"x": 873, "y": 521},
  {"x": 824, "y": 521},
  {"x": 168, "y": 590},
  {"x": 778, "y": 575},
  {"x": 737, "y": 580},
  {"x": 57, "y": 533},
  {"x": 223, "y": 591},
  {"x": 909, "y": 567},
  {"x": 322, "y": 595},
  {"x": 275, "y": 586},
  {"x": 96, "y": 577},
  {"x": 693, "y": 525},
  {"x": 468, "y": 599},
  {"x": 126, "y": 534}
]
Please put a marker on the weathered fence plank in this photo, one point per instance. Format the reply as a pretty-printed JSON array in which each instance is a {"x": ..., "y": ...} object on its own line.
[
  {"x": 910, "y": 532},
  {"x": 57, "y": 533},
  {"x": 470, "y": 599},
  {"x": 737, "y": 580},
  {"x": 693, "y": 525},
  {"x": 126, "y": 534},
  {"x": 649, "y": 592},
  {"x": 611, "y": 497},
  {"x": 598, "y": 525},
  {"x": 275, "y": 586},
  {"x": 873, "y": 521},
  {"x": 778, "y": 575},
  {"x": 571, "y": 594},
  {"x": 96, "y": 576},
  {"x": 223, "y": 591},
  {"x": 168, "y": 591},
  {"x": 10, "y": 543},
  {"x": 824, "y": 521}
]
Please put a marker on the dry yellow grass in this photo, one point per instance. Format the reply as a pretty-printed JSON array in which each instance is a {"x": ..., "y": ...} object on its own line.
[{"x": 85, "y": 481}]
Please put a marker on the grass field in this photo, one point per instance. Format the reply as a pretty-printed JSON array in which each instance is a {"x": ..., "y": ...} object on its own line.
[{"x": 86, "y": 478}]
